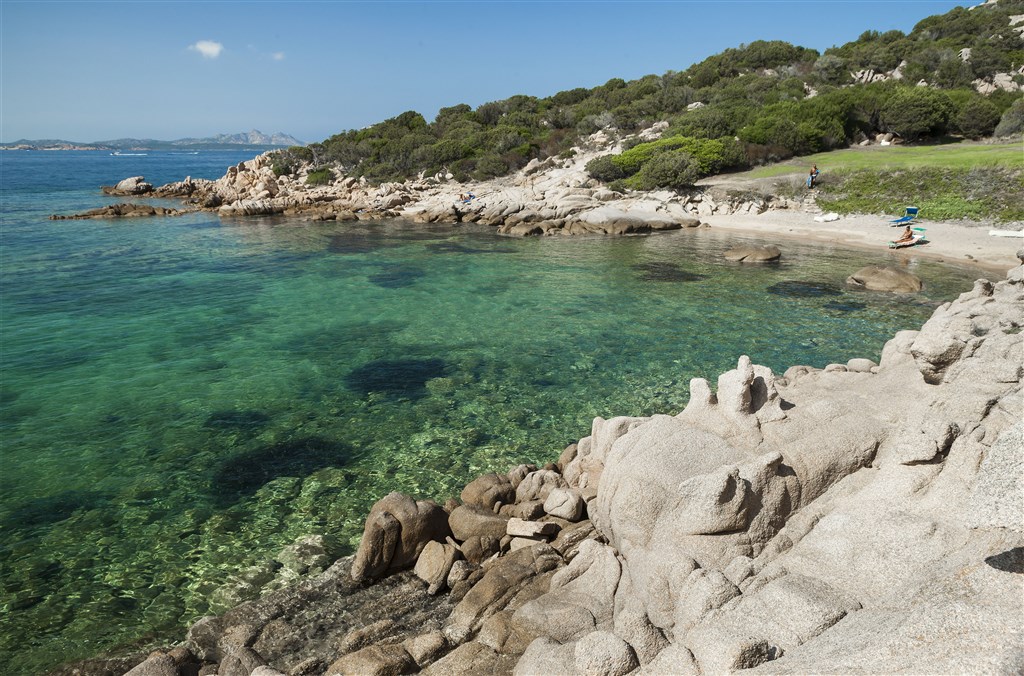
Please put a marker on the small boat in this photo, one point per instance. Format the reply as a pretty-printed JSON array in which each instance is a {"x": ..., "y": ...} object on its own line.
[
  {"x": 118, "y": 153},
  {"x": 1006, "y": 233}
]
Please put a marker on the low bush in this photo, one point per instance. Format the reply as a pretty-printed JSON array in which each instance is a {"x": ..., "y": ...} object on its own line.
[
  {"x": 994, "y": 193},
  {"x": 676, "y": 170},
  {"x": 1012, "y": 121},
  {"x": 320, "y": 177}
]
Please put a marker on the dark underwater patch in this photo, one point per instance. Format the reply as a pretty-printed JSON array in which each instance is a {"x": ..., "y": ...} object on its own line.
[
  {"x": 666, "y": 272},
  {"x": 396, "y": 378},
  {"x": 237, "y": 420},
  {"x": 798, "y": 289},
  {"x": 51, "y": 509},
  {"x": 397, "y": 276},
  {"x": 357, "y": 243},
  {"x": 844, "y": 305},
  {"x": 244, "y": 474},
  {"x": 456, "y": 248},
  {"x": 323, "y": 344}
]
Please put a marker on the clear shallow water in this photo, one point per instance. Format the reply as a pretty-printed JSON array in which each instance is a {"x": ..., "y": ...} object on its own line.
[{"x": 182, "y": 397}]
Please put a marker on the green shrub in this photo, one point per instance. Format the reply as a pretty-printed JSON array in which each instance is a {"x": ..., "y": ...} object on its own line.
[
  {"x": 320, "y": 177},
  {"x": 977, "y": 118},
  {"x": 1012, "y": 121},
  {"x": 281, "y": 169},
  {"x": 675, "y": 170},
  {"x": 913, "y": 112},
  {"x": 605, "y": 169}
]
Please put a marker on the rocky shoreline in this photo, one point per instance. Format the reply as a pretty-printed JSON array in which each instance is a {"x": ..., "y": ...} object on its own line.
[
  {"x": 550, "y": 197},
  {"x": 858, "y": 518}
]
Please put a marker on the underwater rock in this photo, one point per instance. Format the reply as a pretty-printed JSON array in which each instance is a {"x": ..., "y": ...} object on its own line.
[
  {"x": 880, "y": 278},
  {"x": 753, "y": 254}
]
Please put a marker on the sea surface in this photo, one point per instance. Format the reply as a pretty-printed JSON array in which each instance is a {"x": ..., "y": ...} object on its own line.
[{"x": 182, "y": 397}]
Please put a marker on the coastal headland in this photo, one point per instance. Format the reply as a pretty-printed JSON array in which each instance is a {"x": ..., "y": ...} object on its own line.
[{"x": 860, "y": 517}]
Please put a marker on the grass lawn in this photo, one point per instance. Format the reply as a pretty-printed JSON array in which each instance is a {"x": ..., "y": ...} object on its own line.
[{"x": 950, "y": 156}]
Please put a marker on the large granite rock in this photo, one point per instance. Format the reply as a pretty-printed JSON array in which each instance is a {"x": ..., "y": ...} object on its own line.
[
  {"x": 880, "y": 278},
  {"x": 134, "y": 185},
  {"x": 750, "y": 253},
  {"x": 396, "y": 531}
]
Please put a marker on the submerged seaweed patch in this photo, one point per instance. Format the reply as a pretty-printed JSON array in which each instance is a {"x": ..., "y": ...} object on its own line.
[
  {"x": 322, "y": 344},
  {"x": 397, "y": 276},
  {"x": 397, "y": 378},
  {"x": 801, "y": 289},
  {"x": 238, "y": 420},
  {"x": 52, "y": 508},
  {"x": 666, "y": 272},
  {"x": 455, "y": 247},
  {"x": 245, "y": 474},
  {"x": 357, "y": 242}
]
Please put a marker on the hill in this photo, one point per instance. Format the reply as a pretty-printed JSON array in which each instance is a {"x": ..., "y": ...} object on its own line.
[
  {"x": 254, "y": 138},
  {"x": 956, "y": 74}
]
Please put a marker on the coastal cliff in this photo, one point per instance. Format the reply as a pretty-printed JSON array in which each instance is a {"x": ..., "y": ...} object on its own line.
[{"x": 862, "y": 517}]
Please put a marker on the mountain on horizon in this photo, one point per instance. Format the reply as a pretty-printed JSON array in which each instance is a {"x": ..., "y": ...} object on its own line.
[{"x": 250, "y": 138}]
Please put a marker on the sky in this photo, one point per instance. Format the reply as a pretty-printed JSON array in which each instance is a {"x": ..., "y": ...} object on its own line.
[{"x": 92, "y": 71}]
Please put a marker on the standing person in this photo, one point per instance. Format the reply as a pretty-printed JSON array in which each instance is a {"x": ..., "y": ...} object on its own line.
[{"x": 813, "y": 177}]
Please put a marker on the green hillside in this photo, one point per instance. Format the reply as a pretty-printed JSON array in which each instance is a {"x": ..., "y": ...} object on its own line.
[{"x": 749, "y": 106}]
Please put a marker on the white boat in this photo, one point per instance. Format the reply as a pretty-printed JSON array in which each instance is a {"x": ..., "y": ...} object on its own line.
[
  {"x": 118, "y": 153},
  {"x": 1006, "y": 233}
]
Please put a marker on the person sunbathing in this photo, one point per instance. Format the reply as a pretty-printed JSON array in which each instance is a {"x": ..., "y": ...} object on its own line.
[{"x": 907, "y": 236}]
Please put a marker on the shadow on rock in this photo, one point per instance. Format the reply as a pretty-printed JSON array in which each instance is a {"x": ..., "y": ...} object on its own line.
[{"x": 1010, "y": 561}]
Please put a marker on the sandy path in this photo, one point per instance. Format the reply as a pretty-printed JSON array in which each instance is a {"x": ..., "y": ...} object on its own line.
[{"x": 952, "y": 242}]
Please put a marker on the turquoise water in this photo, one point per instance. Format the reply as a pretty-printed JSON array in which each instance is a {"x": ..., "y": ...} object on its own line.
[{"x": 182, "y": 397}]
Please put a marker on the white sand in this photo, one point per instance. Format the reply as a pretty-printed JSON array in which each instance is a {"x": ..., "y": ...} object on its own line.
[{"x": 952, "y": 242}]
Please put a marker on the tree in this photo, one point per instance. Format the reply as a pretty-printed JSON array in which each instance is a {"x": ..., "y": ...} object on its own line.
[
  {"x": 1012, "y": 121},
  {"x": 977, "y": 118},
  {"x": 913, "y": 112}
]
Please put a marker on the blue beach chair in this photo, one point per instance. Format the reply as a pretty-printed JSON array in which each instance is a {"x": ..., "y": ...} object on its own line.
[{"x": 908, "y": 215}]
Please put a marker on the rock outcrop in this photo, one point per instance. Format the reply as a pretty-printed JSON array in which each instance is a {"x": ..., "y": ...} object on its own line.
[
  {"x": 555, "y": 196},
  {"x": 133, "y": 185},
  {"x": 126, "y": 210},
  {"x": 881, "y": 278},
  {"x": 753, "y": 254},
  {"x": 863, "y": 517}
]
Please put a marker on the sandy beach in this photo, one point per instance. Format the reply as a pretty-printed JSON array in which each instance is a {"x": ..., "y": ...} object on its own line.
[{"x": 951, "y": 242}]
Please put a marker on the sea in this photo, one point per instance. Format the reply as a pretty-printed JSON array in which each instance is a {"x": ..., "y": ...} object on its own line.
[{"x": 182, "y": 397}]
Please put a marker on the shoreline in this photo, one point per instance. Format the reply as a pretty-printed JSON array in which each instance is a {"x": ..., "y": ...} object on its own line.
[{"x": 949, "y": 242}]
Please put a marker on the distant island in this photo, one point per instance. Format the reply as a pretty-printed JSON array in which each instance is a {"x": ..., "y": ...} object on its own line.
[{"x": 220, "y": 141}]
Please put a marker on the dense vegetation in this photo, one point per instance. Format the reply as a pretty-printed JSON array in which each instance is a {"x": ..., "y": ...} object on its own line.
[{"x": 757, "y": 103}]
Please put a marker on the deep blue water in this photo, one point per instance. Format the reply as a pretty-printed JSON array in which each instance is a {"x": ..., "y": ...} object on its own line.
[{"x": 181, "y": 397}]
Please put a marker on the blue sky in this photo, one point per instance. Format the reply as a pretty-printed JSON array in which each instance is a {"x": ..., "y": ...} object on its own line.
[{"x": 89, "y": 71}]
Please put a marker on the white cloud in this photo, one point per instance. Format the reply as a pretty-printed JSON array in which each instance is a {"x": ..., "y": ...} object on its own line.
[
  {"x": 277, "y": 56},
  {"x": 208, "y": 48}
]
